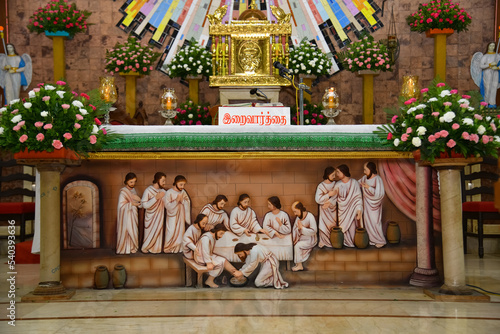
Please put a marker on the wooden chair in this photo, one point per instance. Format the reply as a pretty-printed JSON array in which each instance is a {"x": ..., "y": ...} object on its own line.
[
  {"x": 482, "y": 209},
  {"x": 16, "y": 210}
]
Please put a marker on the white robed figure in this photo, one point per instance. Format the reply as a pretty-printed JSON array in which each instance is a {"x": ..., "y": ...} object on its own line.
[
  {"x": 373, "y": 196},
  {"x": 15, "y": 72},
  {"x": 484, "y": 71},
  {"x": 327, "y": 209},
  {"x": 192, "y": 235},
  {"x": 215, "y": 213},
  {"x": 152, "y": 202},
  {"x": 276, "y": 222},
  {"x": 304, "y": 236},
  {"x": 243, "y": 219},
  {"x": 127, "y": 228},
  {"x": 253, "y": 254},
  {"x": 178, "y": 207},
  {"x": 347, "y": 194}
]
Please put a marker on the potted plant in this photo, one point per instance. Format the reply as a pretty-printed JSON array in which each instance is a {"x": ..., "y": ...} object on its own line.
[
  {"x": 59, "y": 16},
  {"x": 130, "y": 56},
  {"x": 366, "y": 54},
  {"x": 190, "y": 60},
  {"x": 441, "y": 124},
  {"x": 189, "y": 113},
  {"x": 307, "y": 59},
  {"x": 313, "y": 114},
  {"x": 52, "y": 119},
  {"x": 439, "y": 14}
]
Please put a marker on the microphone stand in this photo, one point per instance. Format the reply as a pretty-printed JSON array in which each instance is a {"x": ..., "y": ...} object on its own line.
[{"x": 302, "y": 87}]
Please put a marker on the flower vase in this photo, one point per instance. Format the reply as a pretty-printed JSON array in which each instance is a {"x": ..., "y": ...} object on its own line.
[
  {"x": 367, "y": 76},
  {"x": 194, "y": 83},
  {"x": 130, "y": 91},
  {"x": 439, "y": 36},
  {"x": 59, "y": 54}
]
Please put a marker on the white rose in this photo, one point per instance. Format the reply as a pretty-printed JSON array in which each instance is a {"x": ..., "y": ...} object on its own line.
[
  {"x": 1, "y": 130},
  {"x": 449, "y": 116},
  {"x": 488, "y": 118},
  {"x": 497, "y": 139},
  {"x": 190, "y": 116},
  {"x": 14, "y": 101},
  {"x": 432, "y": 99},
  {"x": 421, "y": 106},
  {"x": 44, "y": 113},
  {"x": 308, "y": 71},
  {"x": 421, "y": 130},
  {"x": 83, "y": 111},
  {"x": 2, "y": 110},
  {"x": 412, "y": 109},
  {"x": 61, "y": 93},
  {"x": 396, "y": 142},
  {"x": 77, "y": 104},
  {"x": 445, "y": 93},
  {"x": 95, "y": 129},
  {"x": 31, "y": 94},
  {"x": 463, "y": 101},
  {"x": 174, "y": 67},
  {"x": 470, "y": 108},
  {"x": 49, "y": 87},
  {"x": 416, "y": 141},
  {"x": 306, "y": 121},
  {"x": 481, "y": 129},
  {"x": 16, "y": 119},
  {"x": 27, "y": 105},
  {"x": 467, "y": 121}
]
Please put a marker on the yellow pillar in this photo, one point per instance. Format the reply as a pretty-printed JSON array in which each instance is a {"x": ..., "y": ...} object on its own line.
[
  {"x": 367, "y": 76},
  {"x": 194, "y": 89},
  {"x": 440, "y": 56},
  {"x": 59, "y": 57},
  {"x": 130, "y": 90}
]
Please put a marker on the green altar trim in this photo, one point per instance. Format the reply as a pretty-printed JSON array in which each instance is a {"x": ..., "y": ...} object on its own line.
[{"x": 246, "y": 141}]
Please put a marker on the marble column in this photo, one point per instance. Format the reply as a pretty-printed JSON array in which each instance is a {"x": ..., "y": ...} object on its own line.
[
  {"x": 425, "y": 274},
  {"x": 451, "y": 226}
]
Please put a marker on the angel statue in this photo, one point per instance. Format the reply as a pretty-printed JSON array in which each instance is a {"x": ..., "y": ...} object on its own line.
[
  {"x": 15, "y": 71},
  {"x": 484, "y": 71}
]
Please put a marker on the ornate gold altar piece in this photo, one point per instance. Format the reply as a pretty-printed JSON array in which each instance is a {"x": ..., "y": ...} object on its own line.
[{"x": 244, "y": 50}]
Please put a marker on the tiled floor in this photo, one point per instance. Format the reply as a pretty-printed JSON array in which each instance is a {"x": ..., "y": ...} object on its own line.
[{"x": 298, "y": 309}]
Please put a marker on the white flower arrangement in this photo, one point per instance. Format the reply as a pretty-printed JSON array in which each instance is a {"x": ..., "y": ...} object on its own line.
[
  {"x": 306, "y": 58},
  {"x": 192, "y": 59}
]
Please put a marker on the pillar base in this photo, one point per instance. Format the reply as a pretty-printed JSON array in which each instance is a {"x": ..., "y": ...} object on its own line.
[
  {"x": 458, "y": 296},
  {"x": 48, "y": 291},
  {"x": 426, "y": 278}
]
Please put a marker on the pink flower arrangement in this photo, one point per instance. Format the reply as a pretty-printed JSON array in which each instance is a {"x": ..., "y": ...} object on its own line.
[
  {"x": 130, "y": 57},
  {"x": 439, "y": 14},
  {"x": 366, "y": 54},
  {"x": 190, "y": 114}
]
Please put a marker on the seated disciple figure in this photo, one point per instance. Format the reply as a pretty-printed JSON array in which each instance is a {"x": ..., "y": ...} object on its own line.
[
  {"x": 304, "y": 235},
  {"x": 216, "y": 213},
  {"x": 347, "y": 195},
  {"x": 276, "y": 222},
  {"x": 127, "y": 228},
  {"x": 152, "y": 202},
  {"x": 252, "y": 254},
  {"x": 204, "y": 255},
  {"x": 373, "y": 197},
  {"x": 192, "y": 235},
  {"x": 327, "y": 209},
  {"x": 243, "y": 219},
  {"x": 178, "y": 207}
]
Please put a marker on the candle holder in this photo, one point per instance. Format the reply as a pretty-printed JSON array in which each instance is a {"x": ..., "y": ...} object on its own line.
[
  {"x": 331, "y": 102},
  {"x": 168, "y": 102},
  {"x": 108, "y": 94}
]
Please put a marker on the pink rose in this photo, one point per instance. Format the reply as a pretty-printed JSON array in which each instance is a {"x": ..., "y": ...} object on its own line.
[
  {"x": 38, "y": 124},
  {"x": 40, "y": 137},
  {"x": 77, "y": 126},
  {"x": 409, "y": 130},
  {"x": 97, "y": 121},
  {"x": 16, "y": 128},
  {"x": 447, "y": 104},
  {"x": 479, "y": 117},
  {"x": 408, "y": 102},
  {"x": 435, "y": 113},
  {"x": 67, "y": 135},
  {"x": 466, "y": 96},
  {"x": 455, "y": 126},
  {"x": 93, "y": 139},
  {"x": 45, "y": 98},
  {"x": 394, "y": 119},
  {"x": 485, "y": 139},
  {"x": 465, "y": 135},
  {"x": 451, "y": 143},
  {"x": 104, "y": 131},
  {"x": 493, "y": 126},
  {"x": 464, "y": 105},
  {"x": 65, "y": 106},
  {"x": 36, "y": 90},
  {"x": 437, "y": 135},
  {"x": 473, "y": 137},
  {"x": 60, "y": 83},
  {"x": 47, "y": 126},
  {"x": 441, "y": 84},
  {"x": 431, "y": 138},
  {"x": 444, "y": 133},
  {"x": 419, "y": 116},
  {"x": 15, "y": 111},
  {"x": 57, "y": 144},
  {"x": 389, "y": 136},
  {"x": 404, "y": 137},
  {"x": 79, "y": 117},
  {"x": 484, "y": 104},
  {"x": 424, "y": 90},
  {"x": 23, "y": 138},
  {"x": 453, "y": 91}
]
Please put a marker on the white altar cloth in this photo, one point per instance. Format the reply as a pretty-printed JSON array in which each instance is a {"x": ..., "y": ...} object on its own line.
[{"x": 282, "y": 248}]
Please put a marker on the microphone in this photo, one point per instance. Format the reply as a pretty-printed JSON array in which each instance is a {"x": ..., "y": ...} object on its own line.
[
  {"x": 282, "y": 68},
  {"x": 258, "y": 92}
]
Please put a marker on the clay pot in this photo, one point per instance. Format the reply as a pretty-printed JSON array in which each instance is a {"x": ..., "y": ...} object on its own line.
[
  {"x": 393, "y": 233},
  {"x": 101, "y": 277},
  {"x": 337, "y": 237},
  {"x": 119, "y": 276},
  {"x": 361, "y": 238}
]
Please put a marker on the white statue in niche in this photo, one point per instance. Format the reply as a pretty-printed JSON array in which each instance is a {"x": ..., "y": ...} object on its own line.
[
  {"x": 484, "y": 71},
  {"x": 15, "y": 72}
]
